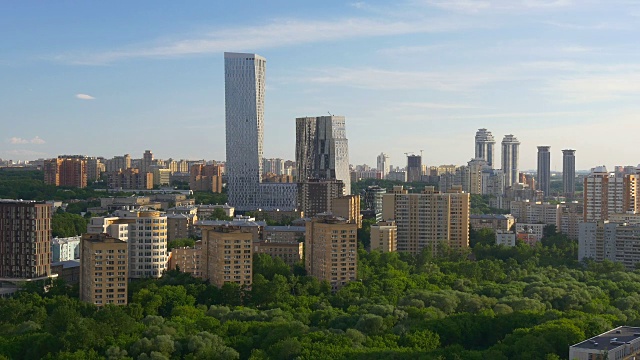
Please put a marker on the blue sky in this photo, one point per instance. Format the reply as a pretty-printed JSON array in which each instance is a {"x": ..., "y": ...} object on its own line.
[{"x": 108, "y": 78}]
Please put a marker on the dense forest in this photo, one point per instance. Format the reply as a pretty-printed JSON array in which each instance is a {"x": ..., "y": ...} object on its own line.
[{"x": 506, "y": 303}]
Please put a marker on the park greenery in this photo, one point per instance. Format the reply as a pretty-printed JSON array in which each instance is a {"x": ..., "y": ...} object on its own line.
[{"x": 492, "y": 303}]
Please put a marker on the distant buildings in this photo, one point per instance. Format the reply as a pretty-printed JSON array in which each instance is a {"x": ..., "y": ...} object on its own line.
[
  {"x": 227, "y": 254},
  {"x": 510, "y": 159},
  {"x": 569, "y": 173},
  {"x": 544, "y": 169},
  {"x": 206, "y": 178},
  {"x": 414, "y": 168},
  {"x": 131, "y": 179},
  {"x": 383, "y": 165},
  {"x": 604, "y": 240},
  {"x": 485, "y": 147},
  {"x": 69, "y": 171},
  {"x": 315, "y": 195},
  {"x": 103, "y": 270},
  {"x": 495, "y": 222},
  {"x": 25, "y": 239}
]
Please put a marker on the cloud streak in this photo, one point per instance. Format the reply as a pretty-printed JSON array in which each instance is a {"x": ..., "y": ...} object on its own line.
[
  {"x": 20, "y": 141},
  {"x": 278, "y": 33},
  {"x": 84, "y": 97}
]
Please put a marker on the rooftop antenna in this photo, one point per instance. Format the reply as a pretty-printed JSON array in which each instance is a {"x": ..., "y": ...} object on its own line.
[{"x": 329, "y": 113}]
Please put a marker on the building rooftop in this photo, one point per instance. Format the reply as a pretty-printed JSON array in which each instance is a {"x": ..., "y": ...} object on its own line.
[
  {"x": 20, "y": 201},
  {"x": 491, "y": 216},
  {"x": 285, "y": 228},
  {"x": 67, "y": 264},
  {"x": 610, "y": 339}
]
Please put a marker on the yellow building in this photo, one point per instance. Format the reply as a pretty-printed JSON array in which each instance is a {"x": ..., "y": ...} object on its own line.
[
  {"x": 289, "y": 251},
  {"x": 384, "y": 236},
  {"x": 103, "y": 270},
  {"x": 428, "y": 219},
  {"x": 348, "y": 207},
  {"x": 331, "y": 250},
  {"x": 227, "y": 254},
  {"x": 187, "y": 260}
]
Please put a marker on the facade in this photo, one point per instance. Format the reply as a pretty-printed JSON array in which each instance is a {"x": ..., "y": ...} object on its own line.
[
  {"x": 510, "y": 159},
  {"x": 278, "y": 216},
  {"x": 476, "y": 169},
  {"x": 569, "y": 218},
  {"x": 348, "y": 207},
  {"x": 103, "y": 270},
  {"x": 331, "y": 250},
  {"x": 118, "y": 163},
  {"x": 63, "y": 249},
  {"x": 604, "y": 240},
  {"x": 244, "y": 127},
  {"x": 205, "y": 178},
  {"x": 621, "y": 343},
  {"x": 148, "y": 254},
  {"x": 273, "y": 166},
  {"x": 569, "y": 173},
  {"x": 279, "y": 196},
  {"x": 530, "y": 233},
  {"x": 117, "y": 227},
  {"x": 494, "y": 222},
  {"x": 383, "y": 164},
  {"x": 534, "y": 212},
  {"x": 69, "y": 270},
  {"x": 25, "y": 239},
  {"x": 373, "y": 200},
  {"x": 429, "y": 219},
  {"x": 505, "y": 238},
  {"x": 227, "y": 254},
  {"x": 544, "y": 169},
  {"x": 603, "y": 195},
  {"x": 180, "y": 226},
  {"x": 187, "y": 260},
  {"x": 161, "y": 176},
  {"x": 315, "y": 196},
  {"x": 485, "y": 144},
  {"x": 384, "y": 236},
  {"x": 70, "y": 171},
  {"x": 414, "y": 168},
  {"x": 291, "y": 252},
  {"x": 322, "y": 150}
]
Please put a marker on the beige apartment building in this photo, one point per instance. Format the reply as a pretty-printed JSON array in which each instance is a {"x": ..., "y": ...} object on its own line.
[
  {"x": 291, "y": 252},
  {"x": 384, "y": 236},
  {"x": 180, "y": 226},
  {"x": 494, "y": 222},
  {"x": 103, "y": 270},
  {"x": 331, "y": 250},
  {"x": 428, "y": 219},
  {"x": 534, "y": 212},
  {"x": 187, "y": 260},
  {"x": 227, "y": 254},
  {"x": 348, "y": 207}
]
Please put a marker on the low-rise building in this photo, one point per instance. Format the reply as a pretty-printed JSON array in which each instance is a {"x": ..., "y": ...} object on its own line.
[
  {"x": 506, "y": 238},
  {"x": 63, "y": 249},
  {"x": 494, "y": 222},
  {"x": 383, "y": 236},
  {"x": 530, "y": 233},
  {"x": 68, "y": 270},
  {"x": 621, "y": 343}
]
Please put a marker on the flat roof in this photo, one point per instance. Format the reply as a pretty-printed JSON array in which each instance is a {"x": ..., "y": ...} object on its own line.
[
  {"x": 610, "y": 339},
  {"x": 285, "y": 228}
]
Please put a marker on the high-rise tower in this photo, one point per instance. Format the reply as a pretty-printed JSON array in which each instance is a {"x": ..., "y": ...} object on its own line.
[
  {"x": 544, "y": 169},
  {"x": 322, "y": 150},
  {"x": 569, "y": 172},
  {"x": 510, "y": 157},
  {"x": 244, "y": 110},
  {"x": 484, "y": 147},
  {"x": 383, "y": 164}
]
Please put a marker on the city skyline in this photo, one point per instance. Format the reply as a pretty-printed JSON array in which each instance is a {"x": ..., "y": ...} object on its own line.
[{"x": 547, "y": 72}]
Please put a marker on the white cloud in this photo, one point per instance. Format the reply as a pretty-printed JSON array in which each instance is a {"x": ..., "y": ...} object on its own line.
[
  {"x": 84, "y": 97},
  {"x": 477, "y": 6},
  {"x": 282, "y": 32},
  {"x": 36, "y": 140},
  {"x": 17, "y": 140}
]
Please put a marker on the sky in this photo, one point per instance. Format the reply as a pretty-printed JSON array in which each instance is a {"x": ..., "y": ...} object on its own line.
[{"x": 116, "y": 77}]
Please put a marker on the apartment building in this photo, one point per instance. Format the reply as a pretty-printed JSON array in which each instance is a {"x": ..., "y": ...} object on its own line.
[
  {"x": 384, "y": 236},
  {"x": 331, "y": 250},
  {"x": 227, "y": 254},
  {"x": 429, "y": 219},
  {"x": 103, "y": 270},
  {"x": 148, "y": 253}
]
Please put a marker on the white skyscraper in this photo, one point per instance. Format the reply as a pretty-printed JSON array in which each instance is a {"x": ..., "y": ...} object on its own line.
[
  {"x": 510, "y": 157},
  {"x": 484, "y": 147},
  {"x": 244, "y": 109},
  {"x": 383, "y": 164}
]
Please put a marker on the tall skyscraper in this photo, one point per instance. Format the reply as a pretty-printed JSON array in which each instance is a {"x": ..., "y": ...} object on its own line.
[
  {"x": 244, "y": 120},
  {"x": 383, "y": 164},
  {"x": 544, "y": 169},
  {"x": 510, "y": 157},
  {"x": 414, "y": 168},
  {"x": 322, "y": 150},
  {"x": 569, "y": 172},
  {"x": 484, "y": 146}
]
